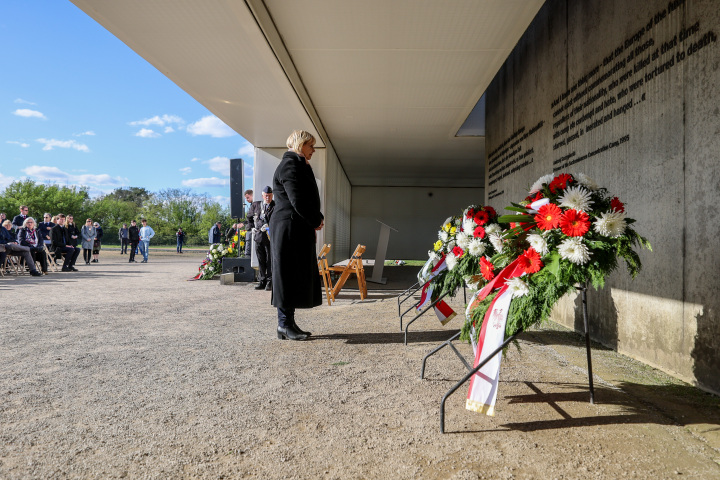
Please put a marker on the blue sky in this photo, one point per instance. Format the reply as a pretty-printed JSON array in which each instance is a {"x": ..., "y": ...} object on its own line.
[{"x": 79, "y": 107}]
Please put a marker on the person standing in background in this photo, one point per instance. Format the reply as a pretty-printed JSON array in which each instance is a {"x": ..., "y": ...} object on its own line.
[
  {"x": 87, "y": 233},
  {"x": 180, "y": 239},
  {"x": 146, "y": 233},
  {"x": 73, "y": 233},
  {"x": 215, "y": 234},
  {"x": 262, "y": 240},
  {"x": 253, "y": 209},
  {"x": 17, "y": 222},
  {"x": 134, "y": 237},
  {"x": 124, "y": 237},
  {"x": 98, "y": 242}
]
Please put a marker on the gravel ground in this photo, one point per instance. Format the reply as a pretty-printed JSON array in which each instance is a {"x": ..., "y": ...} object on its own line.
[{"x": 131, "y": 371}]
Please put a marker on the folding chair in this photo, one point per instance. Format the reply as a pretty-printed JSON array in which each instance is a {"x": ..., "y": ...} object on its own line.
[
  {"x": 2, "y": 267},
  {"x": 50, "y": 258},
  {"x": 325, "y": 272},
  {"x": 13, "y": 259},
  {"x": 355, "y": 266}
]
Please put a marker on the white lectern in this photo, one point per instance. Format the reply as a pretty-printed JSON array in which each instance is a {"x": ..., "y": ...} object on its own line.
[{"x": 380, "y": 253}]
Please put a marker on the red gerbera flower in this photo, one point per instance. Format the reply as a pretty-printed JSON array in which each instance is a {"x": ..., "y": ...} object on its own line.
[
  {"x": 560, "y": 182},
  {"x": 490, "y": 210},
  {"x": 470, "y": 213},
  {"x": 486, "y": 268},
  {"x": 481, "y": 217},
  {"x": 617, "y": 205},
  {"x": 548, "y": 216},
  {"x": 530, "y": 261},
  {"x": 574, "y": 223},
  {"x": 458, "y": 252},
  {"x": 479, "y": 232}
]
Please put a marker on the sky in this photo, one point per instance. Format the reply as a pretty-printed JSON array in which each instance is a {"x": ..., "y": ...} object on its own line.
[{"x": 79, "y": 107}]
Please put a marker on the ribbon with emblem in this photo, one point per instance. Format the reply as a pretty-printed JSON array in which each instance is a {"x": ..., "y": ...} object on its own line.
[{"x": 483, "y": 385}]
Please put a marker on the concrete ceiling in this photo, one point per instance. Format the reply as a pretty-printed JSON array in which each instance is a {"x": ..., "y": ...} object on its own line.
[{"x": 387, "y": 82}]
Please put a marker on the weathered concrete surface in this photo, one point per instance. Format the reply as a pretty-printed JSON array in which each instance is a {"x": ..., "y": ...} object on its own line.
[
  {"x": 130, "y": 371},
  {"x": 628, "y": 93}
]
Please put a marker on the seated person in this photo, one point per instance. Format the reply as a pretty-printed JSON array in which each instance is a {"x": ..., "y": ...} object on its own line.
[
  {"x": 7, "y": 239},
  {"x": 29, "y": 236},
  {"x": 61, "y": 245}
]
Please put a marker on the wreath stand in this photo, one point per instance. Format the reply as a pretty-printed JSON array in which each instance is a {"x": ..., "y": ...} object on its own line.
[
  {"x": 407, "y": 294},
  {"x": 473, "y": 371}
]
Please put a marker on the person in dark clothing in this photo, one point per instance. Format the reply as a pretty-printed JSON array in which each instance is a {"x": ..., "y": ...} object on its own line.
[
  {"x": 28, "y": 236},
  {"x": 252, "y": 212},
  {"x": 180, "y": 239},
  {"x": 60, "y": 245},
  {"x": 134, "y": 237},
  {"x": 97, "y": 244},
  {"x": 73, "y": 232},
  {"x": 124, "y": 238},
  {"x": 295, "y": 220},
  {"x": 12, "y": 247},
  {"x": 17, "y": 222},
  {"x": 215, "y": 234},
  {"x": 262, "y": 240}
]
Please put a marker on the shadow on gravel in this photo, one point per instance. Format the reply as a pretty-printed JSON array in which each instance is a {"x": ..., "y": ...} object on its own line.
[{"x": 382, "y": 338}]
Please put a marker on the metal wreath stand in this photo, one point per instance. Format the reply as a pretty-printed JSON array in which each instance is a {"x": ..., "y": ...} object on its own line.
[{"x": 472, "y": 371}]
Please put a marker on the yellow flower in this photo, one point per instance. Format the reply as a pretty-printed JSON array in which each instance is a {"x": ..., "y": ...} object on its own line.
[
  {"x": 243, "y": 232},
  {"x": 453, "y": 230},
  {"x": 235, "y": 238},
  {"x": 438, "y": 245},
  {"x": 447, "y": 227}
]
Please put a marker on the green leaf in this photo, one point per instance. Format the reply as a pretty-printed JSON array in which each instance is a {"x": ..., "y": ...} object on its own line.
[{"x": 552, "y": 263}]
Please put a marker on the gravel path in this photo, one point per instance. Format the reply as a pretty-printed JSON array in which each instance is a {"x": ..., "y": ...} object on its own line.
[{"x": 131, "y": 371}]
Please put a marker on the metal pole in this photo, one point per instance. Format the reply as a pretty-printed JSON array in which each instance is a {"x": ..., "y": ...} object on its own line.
[
  {"x": 422, "y": 313},
  {"x": 446, "y": 343},
  {"x": 587, "y": 344},
  {"x": 467, "y": 377}
]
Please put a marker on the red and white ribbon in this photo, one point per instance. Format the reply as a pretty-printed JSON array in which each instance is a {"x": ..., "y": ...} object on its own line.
[
  {"x": 442, "y": 309},
  {"x": 484, "y": 384}
]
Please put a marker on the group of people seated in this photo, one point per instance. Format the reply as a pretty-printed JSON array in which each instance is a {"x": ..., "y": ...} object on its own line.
[{"x": 31, "y": 241}]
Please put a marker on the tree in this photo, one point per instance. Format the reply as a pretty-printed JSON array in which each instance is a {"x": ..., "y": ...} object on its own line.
[
  {"x": 137, "y": 195},
  {"x": 43, "y": 198}
]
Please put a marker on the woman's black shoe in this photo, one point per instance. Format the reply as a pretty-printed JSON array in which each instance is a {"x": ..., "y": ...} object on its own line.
[
  {"x": 290, "y": 334},
  {"x": 297, "y": 329}
]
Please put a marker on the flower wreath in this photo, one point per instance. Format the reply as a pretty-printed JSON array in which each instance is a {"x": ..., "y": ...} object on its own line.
[{"x": 568, "y": 231}]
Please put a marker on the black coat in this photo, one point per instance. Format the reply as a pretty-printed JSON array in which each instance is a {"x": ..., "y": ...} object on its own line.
[
  {"x": 134, "y": 234},
  {"x": 296, "y": 280},
  {"x": 60, "y": 237},
  {"x": 24, "y": 240},
  {"x": 261, "y": 220},
  {"x": 72, "y": 230}
]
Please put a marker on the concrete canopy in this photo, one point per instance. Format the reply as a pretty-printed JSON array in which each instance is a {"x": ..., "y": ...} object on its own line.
[{"x": 387, "y": 83}]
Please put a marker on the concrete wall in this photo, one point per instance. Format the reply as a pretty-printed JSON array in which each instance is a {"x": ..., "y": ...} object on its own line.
[
  {"x": 628, "y": 93},
  {"x": 416, "y": 212}
]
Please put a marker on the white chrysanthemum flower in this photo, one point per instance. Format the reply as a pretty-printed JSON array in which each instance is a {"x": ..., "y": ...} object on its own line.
[
  {"x": 586, "y": 181},
  {"x": 576, "y": 198},
  {"x": 538, "y": 243},
  {"x": 469, "y": 226},
  {"x": 492, "y": 228},
  {"x": 610, "y": 224},
  {"x": 449, "y": 246},
  {"x": 462, "y": 240},
  {"x": 443, "y": 236},
  {"x": 575, "y": 250},
  {"x": 539, "y": 183},
  {"x": 450, "y": 261},
  {"x": 474, "y": 286},
  {"x": 517, "y": 287},
  {"x": 496, "y": 241},
  {"x": 477, "y": 247}
]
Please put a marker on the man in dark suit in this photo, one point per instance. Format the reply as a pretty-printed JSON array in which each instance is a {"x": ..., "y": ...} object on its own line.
[
  {"x": 262, "y": 240},
  {"x": 252, "y": 213},
  {"x": 60, "y": 244},
  {"x": 215, "y": 234},
  {"x": 19, "y": 219}
]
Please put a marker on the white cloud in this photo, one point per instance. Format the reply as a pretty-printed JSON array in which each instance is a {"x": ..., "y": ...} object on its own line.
[
  {"x": 88, "y": 133},
  {"x": 22, "y": 144},
  {"x": 210, "y": 125},
  {"x": 246, "y": 152},
  {"x": 205, "y": 182},
  {"x": 26, "y": 112},
  {"x": 195, "y": 159},
  {"x": 52, "y": 143},
  {"x": 186, "y": 170},
  {"x": 169, "y": 130},
  {"x": 219, "y": 165},
  {"x": 20, "y": 100},
  {"x": 222, "y": 200},
  {"x": 158, "y": 120},
  {"x": 54, "y": 174},
  {"x": 5, "y": 181},
  {"x": 147, "y": 133}
]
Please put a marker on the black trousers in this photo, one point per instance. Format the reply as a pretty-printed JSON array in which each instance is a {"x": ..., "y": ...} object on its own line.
[
  {"x": 70, "y": 254},
  {"x": 286, "y": 317},
  {"x": 87, "y": 254},
  {"x": 133, "y": 249},
  {"x": 38, "y": 255},
  {"x": 123, "y": 245},
  {"x": 262, "y": 250}
]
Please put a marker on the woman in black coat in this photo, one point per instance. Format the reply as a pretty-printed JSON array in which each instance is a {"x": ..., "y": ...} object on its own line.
[
  {"x": 29, "y": 236},
  {"x": 295, "y": 219}
]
